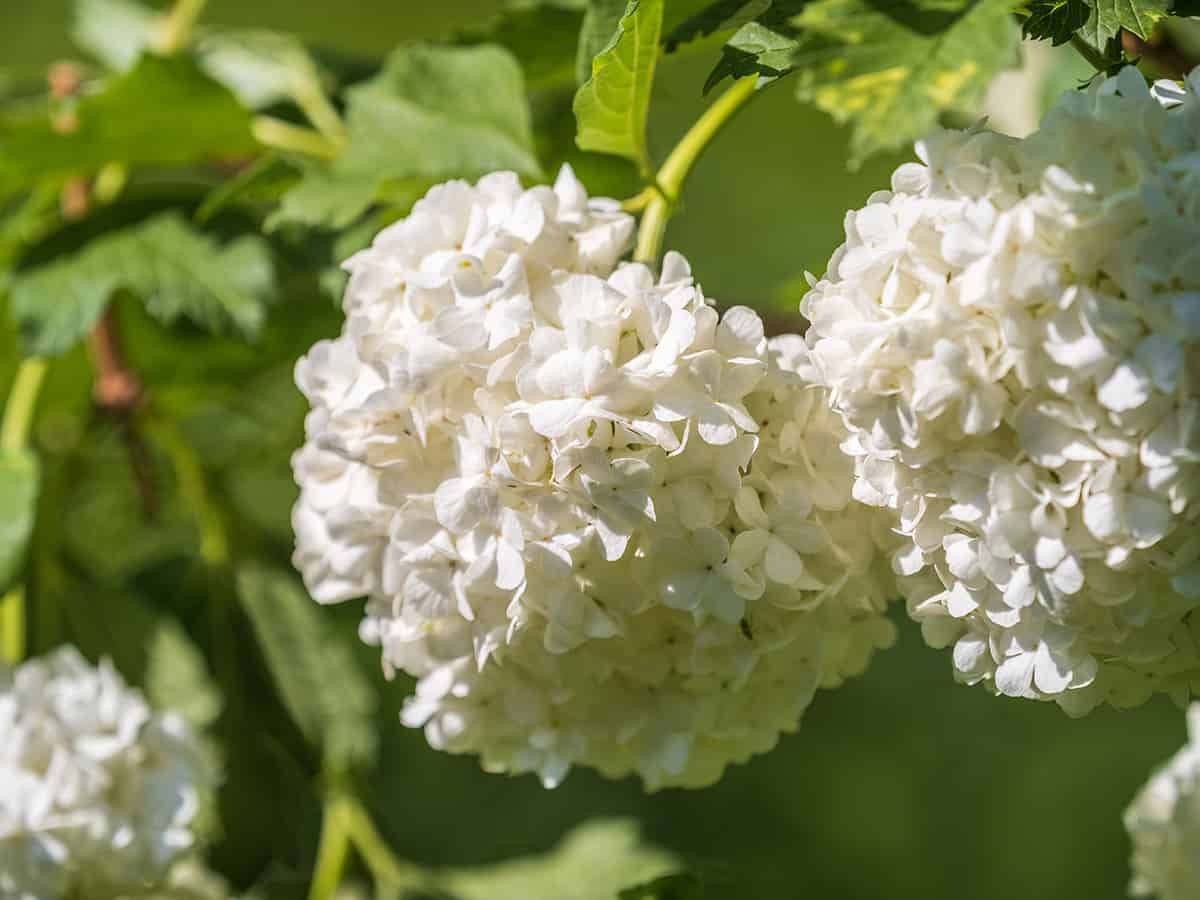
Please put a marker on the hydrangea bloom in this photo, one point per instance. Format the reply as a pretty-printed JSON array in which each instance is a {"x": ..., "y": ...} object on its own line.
[
  {"x": 1164, "y": 824},
  {"x": 1012, "y": 335},
  {"x": 598, "y": 523},
  {"x": 97, "y": 793}
]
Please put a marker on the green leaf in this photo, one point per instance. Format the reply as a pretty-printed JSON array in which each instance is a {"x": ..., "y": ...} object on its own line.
[
  {"x": 888, "y": 68},
  {"x": 593, "y": 862},
  {"x": 177, "y": 676},
  {"x": 116, "y": 32},
  {"x": 1108, "y": 17},
  {"x": 177, "y": 271},
  {"x": 432, "y": 113},
  {"x": 1056, "y": 20},
  {"x": 441, "y": 112},
  {"x": 324, "y": 199},
  {"x": 612, "y": 106},
  {"x": 161, "y": 112},
  {"x": 260, "y": 67},
  {"x": 723, "y": 15},
  {"x": 312, "y": 665},
  {"x": 542, "y": 36},
  {"x": 18, "y": 506},
  {"x": 601, "y": 19}
]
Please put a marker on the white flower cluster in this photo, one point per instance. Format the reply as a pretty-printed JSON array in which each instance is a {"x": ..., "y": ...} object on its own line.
[
  {"x": 97, "y": 792},
  {"x": 1012, "y": 335},
  {"x": 1163, "y": 823},
  {"x": 599, "y": 524}
]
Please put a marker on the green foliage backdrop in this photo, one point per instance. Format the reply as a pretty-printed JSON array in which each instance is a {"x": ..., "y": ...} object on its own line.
[{"x": 902, "y": 786}]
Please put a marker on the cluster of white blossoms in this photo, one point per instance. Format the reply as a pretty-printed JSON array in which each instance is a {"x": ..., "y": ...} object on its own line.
[
  {"x": 98, "y": 793},
  {"x": 1164, "y": 825},
  {"x": 1012, "y": 336},
  {"x": 598, "y": 523}
]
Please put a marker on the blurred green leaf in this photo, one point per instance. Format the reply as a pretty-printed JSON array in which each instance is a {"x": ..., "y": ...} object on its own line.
[
  {"x": 1108, "y": 17},
  {"x": 177, "y": 676},
  {"x": 260, "y": 67},
  {"x": 541, "y": 35},
  {"x": 431, "y": 113},
  {"x": 440, "y": 112},
  {"x": 594, "y": 862},
  {"x": 612, "y": 106},
  {"x": 178, "y": 272},
  {"x": 105, "y": 501},
  {"x": 116, "y": 32},
  {"x": 161, "y": 112},
  {"x": 18, "y": 505},
  {"x": 312, "y": 665},
  {"x": 601, "y": 19},
  {"x": 325, "y": 199}
]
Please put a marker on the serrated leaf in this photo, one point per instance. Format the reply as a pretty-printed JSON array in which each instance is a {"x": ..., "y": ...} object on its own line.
[
  {"x": 116, "y": 32},
  {"x": 593, "y": 862},
  {"x": 1055, "y": 20},
  {"x": 177, "y": 676},
  {"x": 163, "y": 111},
  {"x": 542, "y": 36},
  {"x": 723, "y": 15},
  {"x": 1108, "y": 17},
  {"x": 18, "y": 506},
  {"x": 312, "y": 665},
  {"x": 177, "y": 271},
  {"x": 611, "y": 108},
  {"x": 432, "y": 113},
  {"x": 888, "y": 68},
  {"x": 601, "y": 18}
]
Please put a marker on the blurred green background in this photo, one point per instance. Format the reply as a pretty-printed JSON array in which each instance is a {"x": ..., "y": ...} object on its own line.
[{"x": 902, "y": 784}]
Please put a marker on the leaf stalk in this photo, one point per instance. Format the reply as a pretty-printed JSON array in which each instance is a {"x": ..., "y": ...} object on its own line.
[{"x": 674, "y": 171}]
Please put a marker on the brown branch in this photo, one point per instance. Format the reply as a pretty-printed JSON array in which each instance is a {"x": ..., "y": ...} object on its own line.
[{"x": 118, "y": 393}]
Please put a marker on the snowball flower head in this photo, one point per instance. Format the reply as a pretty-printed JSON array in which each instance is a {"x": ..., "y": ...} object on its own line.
[
  {"x": 598, "y": 523},
  {"x": 1164, "y": 824},
  {"x": 98, "y": 793},
  {"x": 1012, "y": 336}
]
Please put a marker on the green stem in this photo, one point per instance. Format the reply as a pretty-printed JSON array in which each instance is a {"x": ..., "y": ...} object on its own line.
[
  {"x": 1094, "y": 57},
  {"x": 311, "y": 98},
  {"x": 678, "y": 165},
  {"x": 12, "y": 624},
  {"x": 385, "y": 867},
  {"x": 177, "y": 25},
  {"x": 14, "y": 438},
  {"x": 22, "y": 399},
  {"x": 280, "y": 135},
  {"x": 332, "y": 851}
]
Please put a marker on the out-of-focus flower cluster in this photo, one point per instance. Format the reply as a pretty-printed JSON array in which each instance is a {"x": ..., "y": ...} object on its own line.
[
  {"x": 1012, "y": 335},
  {"x": 98, "y": 793},
  {"x": 1164, "y": 824},
  {"x": 600, "y": 524}
]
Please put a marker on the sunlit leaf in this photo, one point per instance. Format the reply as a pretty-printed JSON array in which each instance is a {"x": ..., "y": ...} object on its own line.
[{"x": 611, "y": 108}]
